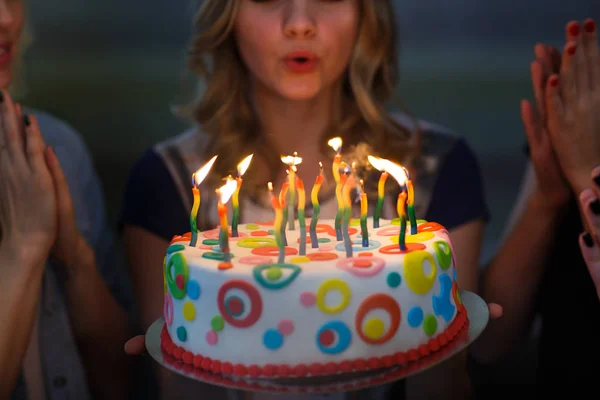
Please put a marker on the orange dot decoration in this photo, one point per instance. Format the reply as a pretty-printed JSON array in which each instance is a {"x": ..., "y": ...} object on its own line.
[
  {"x": 430, "y": 227},
  {"x": 378, "y": 334},
  {"x": 395, "y": 249}
]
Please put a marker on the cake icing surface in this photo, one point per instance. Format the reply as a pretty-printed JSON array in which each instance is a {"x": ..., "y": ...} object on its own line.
[{"x": 313, "y": 314}]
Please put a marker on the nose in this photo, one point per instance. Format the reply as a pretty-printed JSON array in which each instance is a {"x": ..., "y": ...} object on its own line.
[
  {"x": 6, "y": 17},
  {"x": 299, "y": 21}
]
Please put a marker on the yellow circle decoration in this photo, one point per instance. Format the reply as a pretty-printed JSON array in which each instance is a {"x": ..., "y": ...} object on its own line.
[
  {"x": 189, "y": 311},
  {"x": 416, "y": 238},
  {"x": 374, "y": 328},
  {"x": 416, "y": 279},
  {"x": 326, "y": 287},
  {"x": 299, "y": 260}
]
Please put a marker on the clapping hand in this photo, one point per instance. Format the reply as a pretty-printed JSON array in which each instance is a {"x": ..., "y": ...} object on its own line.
[
  {"x": 573, "y": 105},
  {"x": 588, "y": 241}
]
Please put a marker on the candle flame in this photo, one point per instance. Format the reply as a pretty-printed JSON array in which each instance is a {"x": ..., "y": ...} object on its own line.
[
  {"x": 226, "y": 191},
  {"x": 335, "y": 143},
  {"x": 201, "y": 174},
  {"x": 242, "y": 167},
  {"x": 270, "y": 186},
  {"x": 291, "y": 160},
  {"x": 398, "y": 172}
]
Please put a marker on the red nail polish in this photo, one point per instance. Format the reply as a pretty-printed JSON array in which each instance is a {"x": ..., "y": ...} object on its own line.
[
  {"x": 589, "y": 26},
  {"x": 554, "y": 80},
  {"x": 574, "y": 29},
  {"x": 571, "y": 49}
]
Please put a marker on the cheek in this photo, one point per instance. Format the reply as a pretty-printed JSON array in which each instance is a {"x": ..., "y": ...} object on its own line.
[
  {"x": 341, "y": 38},
  {"x": 255, "y": 44}
]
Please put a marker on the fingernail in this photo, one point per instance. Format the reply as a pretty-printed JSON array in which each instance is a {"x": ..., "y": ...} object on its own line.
[
  {"x": 589, "y": 26},
  {"x": 26, "y": 120},
  {"x": 554, "y": 80},
  {"x": 571, "y": 49},
  {"x": 587, "y": 239},
  {"x": 595, "y": 207},
  {"x": 574, "y": 30}
]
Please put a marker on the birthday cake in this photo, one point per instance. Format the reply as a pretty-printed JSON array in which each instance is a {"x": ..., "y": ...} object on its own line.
[{"x": 321, "y": 313}]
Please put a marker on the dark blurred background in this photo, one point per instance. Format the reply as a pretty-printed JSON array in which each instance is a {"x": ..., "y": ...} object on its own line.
[{"x": 113, "y": 69}]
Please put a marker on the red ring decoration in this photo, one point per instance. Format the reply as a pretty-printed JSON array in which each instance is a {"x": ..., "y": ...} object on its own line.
[
  {"x": 430, "y": 227},
  {"x": 273, "y": 251},
  {"x": 255, "y": 303},
  {"x": 375, "y": 301},
  {"x": 395, "y": 249},
  {"x": 323, "y": 256},
  {"x": 168, "y": 310}
]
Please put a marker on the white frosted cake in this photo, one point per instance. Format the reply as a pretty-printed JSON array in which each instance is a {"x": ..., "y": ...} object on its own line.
[{"x": 315, "y": 314}]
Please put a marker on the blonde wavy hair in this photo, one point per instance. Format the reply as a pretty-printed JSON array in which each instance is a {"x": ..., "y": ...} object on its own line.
[{"x": 232, "y": 125}]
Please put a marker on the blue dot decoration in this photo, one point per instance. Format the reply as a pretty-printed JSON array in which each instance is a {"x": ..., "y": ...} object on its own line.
[
  {"x": 441, "y": 303},
  {"x": 272, "y": 339},
  {"x": 357, "y": 246},
  {"x": 454, "y": 273},
  {"x": 415, "y": 316},
  {"x": 181, "y": 334},
  {"x": 339, "y": 329},
  {"x": 394, "y": 279},
  {"x": 174, "y": 248},
  {"x": 193, "y": 289}
]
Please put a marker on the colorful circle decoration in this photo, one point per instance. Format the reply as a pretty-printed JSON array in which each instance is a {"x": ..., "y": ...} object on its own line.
[
  {"x": 193, "y": 289},
  {"x": 325, "y": 249},
  {"x": 362, "y": 266},
  {"x": 416, "y": 279},
  {"x": 275, "y": 271},
  {"x": 168, "y": 309},
  {"x": 217, "y": 324},
  {"x": 260, "y": 233},
  {"x": 210, "y": 242},
  {"x": 215, "y": 255},
  {"x": 272, "y": 339},
  {"x": 373, "y": 244},
  {"x": 214, "y": 234},
  {"x": 415, "y": 316},
  {"x": 273, "y": 251},
  {"x": 416, "y": 238},
  {"x": 285, "y": 327},
  {"x": 308, "y": 299},
  {"x": 255, "y": 260},
  {"x": 175, "y": 248},
  {"x": 394, "y": 279},
  {"x": 326, "y": 287},
  {"x": 252, "y": 227},
  {"x": 234, "y": 306},
  {"x": 181, "y": 334},
  {"x": 212, "y": 338},
  {"x": 255, "y": 242},
  {"x": 299, "y": 260},
  {"x": 430, "y": 227},
  {"x": 323, "y": 255},
  {"x": 255, "y": 309},
  {"x": 372, "y": 331},
  {"x": 389, "y": 231},
  {"x": 430, "y": 325},
  {"x": 178, "y": 262},
  {"x": 330, "y": 230},
  {"x": 444, "y": 253},
  {"x": 327, "y": 334},
  {"x": 165, "y": 274},
  {"x": 189, "y": 311},
  {"x": 395, "y": 249},
  {"x": 441, "y": 304}
]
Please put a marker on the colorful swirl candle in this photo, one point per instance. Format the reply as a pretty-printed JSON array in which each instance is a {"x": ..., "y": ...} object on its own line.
[
  {"x": 283, "y": 205},
  {"x": 336, "y": 144},
  {"x": 402, "y": 214},
  {"x": 197, "y": 179},
  {"x": 291, "y": 161},
  {"x": 277, "y": 224},
  {"x": 224, "y": 193},
  {"x": 411, "y": 207},
  {"x": 301, "y": 219},
  {"x": 235, "y": 202},
  {"x": 348, "y": 185},
  {"x": 364, "y": 208},
  {"x": 314, "y": 197},
  {"x": 380, "y": 199}
]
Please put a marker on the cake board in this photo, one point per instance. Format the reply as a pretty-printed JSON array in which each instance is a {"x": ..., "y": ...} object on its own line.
[{"x": 477, "y": 311}]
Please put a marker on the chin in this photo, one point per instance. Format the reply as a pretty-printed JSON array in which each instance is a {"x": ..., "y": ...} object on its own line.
[{"x": 300, "y": 92}]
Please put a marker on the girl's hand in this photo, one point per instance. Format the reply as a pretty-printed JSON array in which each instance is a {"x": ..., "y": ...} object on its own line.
[
  {"x": 573, "y": 105},
  {"x": 552, "y": 190},
  {"x": 588, "y": 241},
  {"x": 28, "y": 219}
]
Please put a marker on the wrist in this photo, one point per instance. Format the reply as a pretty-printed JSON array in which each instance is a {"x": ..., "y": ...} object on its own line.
[{"x": 542, "y": 204}]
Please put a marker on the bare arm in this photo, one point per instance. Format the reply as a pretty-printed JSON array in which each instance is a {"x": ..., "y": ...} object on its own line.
[
  {"x": 513, "y": 276},
  {"x": 450, "y": 377}
]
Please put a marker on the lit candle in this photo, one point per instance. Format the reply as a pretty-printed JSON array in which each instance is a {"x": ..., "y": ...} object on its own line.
[
  {"x": 277, "y": 224},
  {"x": 241, "y": 170},
  {"x": 348, "y": 182},
  {"x": 292, "y": 161},
  {"x": 224, "y": 193},
  {"x": 379, "y": 164},
  {"x": 402, "y": 214},
  {"x": 398, "y": 172},
  {"x": 364, "y": 208},
  {"x": 410, "y": 201},
  {"x": 282, "y": 204},
  {"x": 336, "y": 144},
  {"x": 197, "y": 179},
  {"x": 314, "y": 197},
  {"x": 301, "y": 219}
]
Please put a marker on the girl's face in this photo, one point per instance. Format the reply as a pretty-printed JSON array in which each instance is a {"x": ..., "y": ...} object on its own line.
[
  {"x": 11, "y": 24},
  {"x": 296, "y": 48}
]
